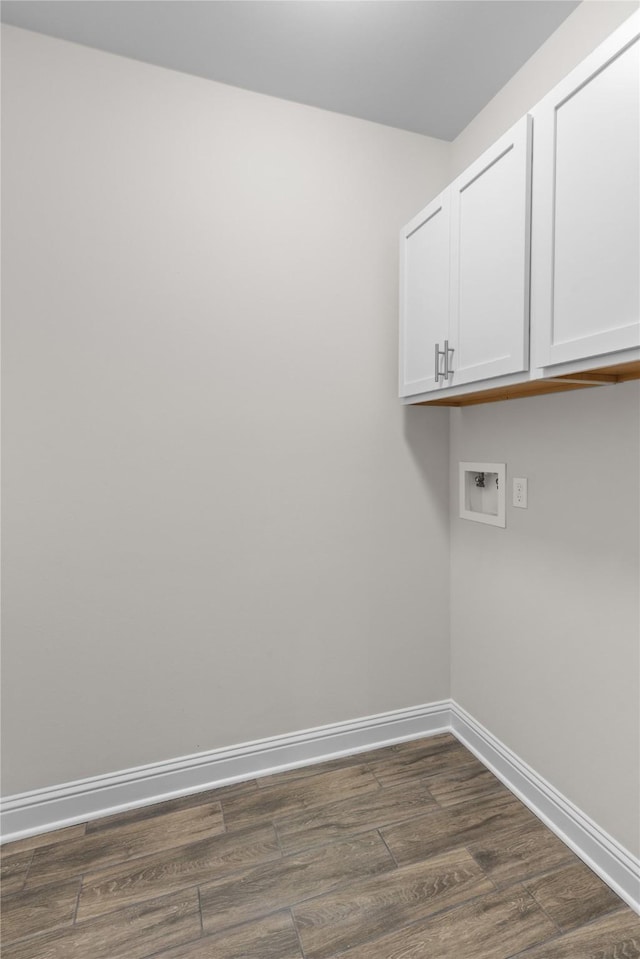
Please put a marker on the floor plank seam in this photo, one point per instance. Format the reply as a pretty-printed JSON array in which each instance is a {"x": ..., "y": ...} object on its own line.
[
  {"x": 176, "y": 889},
  {"x": 553, "y": 921},
  {"x": 163, "y": 951},
  {"x": 295, "y": 926},
  {"x": 535, "y": 876},
  {"x": 452, "y": 908},
  {"x": 403, "y": 927},
  {"x": 103, "y": 867},
  {"x": 24, "y": 940},
  {"x": 417, "y": 814},
  {"x": 75, "y": 911},
  {"x": 558, "y": 936},
  {"x": 432, "y": 798},
  {"x": 26, "y": 875},
  {"x": 377, "y": 779},
  {"x": 530, "y": 876},
  {"x": 485, "y": 874},
  {"x": 244, "y": 923},
  {"x": 96, "y": 870},
  {"x": 34, "y": 936},
  {"x": 211, "y": 936},
  {"x": 594, "y": 919},
  {"x": 283, "y": 855},
  {"x": 224, "y": 821},
  {"x": 352, "y": 834},
  {"x": 200, "y": 911},
  {"x": 541, "y": 942},
  {"x": 394, "y": 860},
  {"x": 113, "y": 914}
]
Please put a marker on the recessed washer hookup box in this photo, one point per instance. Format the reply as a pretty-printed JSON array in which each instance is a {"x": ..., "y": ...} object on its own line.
[{"x": 482, "y": 489}]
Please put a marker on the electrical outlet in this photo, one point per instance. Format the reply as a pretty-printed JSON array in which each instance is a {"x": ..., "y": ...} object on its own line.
[{"x": 520, "y": 492}]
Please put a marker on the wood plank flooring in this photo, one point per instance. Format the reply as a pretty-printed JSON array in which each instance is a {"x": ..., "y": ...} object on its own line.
[{"x": 410, "y": 852}]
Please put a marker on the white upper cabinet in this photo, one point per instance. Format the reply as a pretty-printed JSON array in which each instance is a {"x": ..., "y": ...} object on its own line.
[
  {"x": 585, "y": 253},
  {"x": 490, "y": 231},
  {"x": 464, "y": 274},
  {"x": 539, "y": 238},
  {"x": 424, "y": 297}
]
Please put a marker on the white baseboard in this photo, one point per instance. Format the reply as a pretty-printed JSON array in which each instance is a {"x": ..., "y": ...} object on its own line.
[
  {"x": 43, "y": 810},
  {"x": 46, "y": 809},
  {"x": 608, "y": 859}
]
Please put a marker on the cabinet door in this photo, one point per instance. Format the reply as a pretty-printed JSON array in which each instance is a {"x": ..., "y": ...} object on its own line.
[
  {"x": 490, "y": 233},
  {"x": 585, "y": 253},
  {"x": 424, "y": 297}
]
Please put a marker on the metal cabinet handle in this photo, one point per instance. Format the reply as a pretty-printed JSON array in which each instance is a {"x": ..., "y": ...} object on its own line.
[
  {"x": 438, "y": 374},
  {"x": 447, "y": 349}
]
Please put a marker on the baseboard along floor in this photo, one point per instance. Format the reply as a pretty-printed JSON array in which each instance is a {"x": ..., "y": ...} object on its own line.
[{"x": 130, "y": 792}]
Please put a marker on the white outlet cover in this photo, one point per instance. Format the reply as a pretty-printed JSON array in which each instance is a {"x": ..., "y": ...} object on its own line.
[{"x": 520, "y": 492}]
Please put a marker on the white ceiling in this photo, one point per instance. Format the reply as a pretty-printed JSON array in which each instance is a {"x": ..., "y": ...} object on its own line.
[{"x": 422, "y": 65}]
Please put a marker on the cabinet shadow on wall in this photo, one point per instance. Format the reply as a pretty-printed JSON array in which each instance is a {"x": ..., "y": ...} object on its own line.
[{"x": 426, "y": 433}]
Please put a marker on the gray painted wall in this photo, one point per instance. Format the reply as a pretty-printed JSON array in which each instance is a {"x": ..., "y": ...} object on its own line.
[
  {"x": 219, "y": 523},
  {"x": 545, "y": 613}
]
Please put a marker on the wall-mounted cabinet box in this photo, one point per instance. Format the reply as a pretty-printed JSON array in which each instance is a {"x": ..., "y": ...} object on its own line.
[
  {"x": 490, "y": 228},
  {"x": 464, "y": 274},
  {"x": 586, "y": 224},
  {"x": 464, "y": 311}
]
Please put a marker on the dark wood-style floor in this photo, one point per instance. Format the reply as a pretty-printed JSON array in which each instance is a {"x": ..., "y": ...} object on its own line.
[{"x": 410, "y": 852}]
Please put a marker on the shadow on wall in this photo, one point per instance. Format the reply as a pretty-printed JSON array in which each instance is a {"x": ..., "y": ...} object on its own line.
[{"x": 426, "y": 431}]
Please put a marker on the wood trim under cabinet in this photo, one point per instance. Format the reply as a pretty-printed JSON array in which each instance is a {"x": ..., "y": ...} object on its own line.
[{"x": 602, "y": 376}]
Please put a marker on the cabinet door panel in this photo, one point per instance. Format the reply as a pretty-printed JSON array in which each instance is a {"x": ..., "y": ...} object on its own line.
[
  {"x": 586, "y": 290},
  {"x": 424, "y": 296},
  {"x": 490, "y": 214}
]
